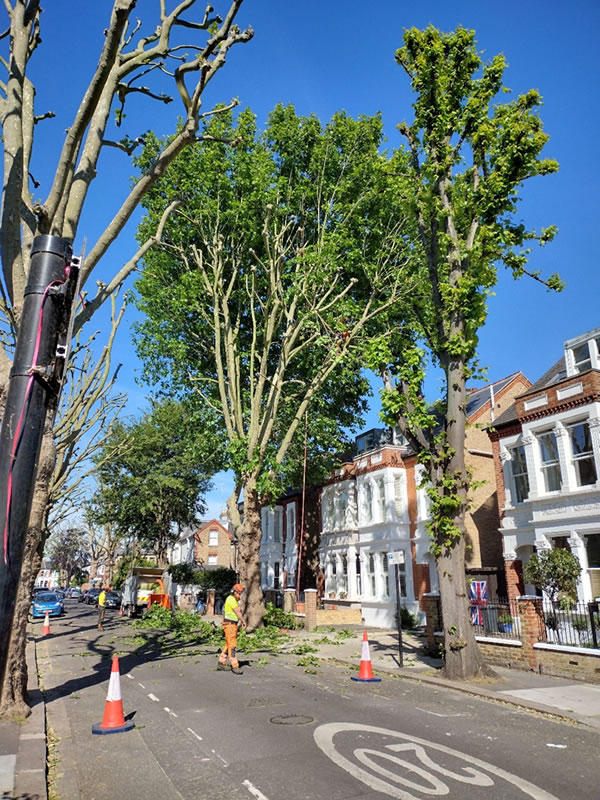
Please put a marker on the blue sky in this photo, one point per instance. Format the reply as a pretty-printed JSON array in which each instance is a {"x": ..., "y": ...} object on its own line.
[{"x": 326, "y": 55}]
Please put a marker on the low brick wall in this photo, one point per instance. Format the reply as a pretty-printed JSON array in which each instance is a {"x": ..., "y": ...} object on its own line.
[
  {"x": 528, "y": 652},
  {"x": 339, "y": 616},
  {"x": 569, "y": 662}
]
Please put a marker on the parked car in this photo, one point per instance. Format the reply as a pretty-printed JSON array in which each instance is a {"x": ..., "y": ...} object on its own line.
[
  {"x": 113, "y": 599},
  {"x": 74, "y": 593},
  {"x": 82, "y": 596},
  {"x": 91, "y": 596},
  {"x": 49, "y": 602}
]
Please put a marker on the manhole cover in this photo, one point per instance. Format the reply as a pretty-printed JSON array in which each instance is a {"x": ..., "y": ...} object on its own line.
[{"x": 292, "y": 719}]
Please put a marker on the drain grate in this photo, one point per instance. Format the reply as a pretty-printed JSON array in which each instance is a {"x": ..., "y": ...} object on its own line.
[
  {"x": 292, "y": 719},
  {"x": 261, "y": 702}
]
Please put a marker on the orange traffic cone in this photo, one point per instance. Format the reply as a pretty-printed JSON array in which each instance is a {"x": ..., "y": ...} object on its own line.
[
  {"x": 365, "y": 673},
  {"x": 121, "y": 611},
  {"x": 113, "y": 720},
  {"x": 46, "y": 628}
]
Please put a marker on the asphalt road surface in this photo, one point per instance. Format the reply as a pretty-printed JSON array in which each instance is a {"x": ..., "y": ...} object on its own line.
[{"x": 280, "y": 733}]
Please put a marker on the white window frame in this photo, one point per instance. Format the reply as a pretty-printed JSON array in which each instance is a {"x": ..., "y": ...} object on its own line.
[
  {"x": 512, "y": 449},
  {"x": 213, "y": 540},
  {"x": 212, "y": 559},
  {"x": 587, "y": 455},
  {"x": 546, "y": 466}
]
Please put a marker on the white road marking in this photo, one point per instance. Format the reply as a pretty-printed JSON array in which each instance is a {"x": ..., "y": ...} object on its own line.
[
  {"x": 130, "y": 676},
  {"x": 225, "y": 763},
  {"x": 254, "y": 791},
  {"x": 141, "y": 684},
  {"x": 153, "y": 697},
  {"x": 561, "y": 746},
  {"x": 195, "y": 734},
  {"x": 435, "y": 714},
  {"x": 168, "y": 710},
  {"x": 324, "y": 736}
]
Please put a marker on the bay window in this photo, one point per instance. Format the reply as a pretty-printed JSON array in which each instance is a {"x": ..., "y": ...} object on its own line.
[{"x": 520, "y": 479}]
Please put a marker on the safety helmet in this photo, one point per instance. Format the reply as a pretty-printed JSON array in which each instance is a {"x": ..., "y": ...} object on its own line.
[{"x": 237, "y": 587}]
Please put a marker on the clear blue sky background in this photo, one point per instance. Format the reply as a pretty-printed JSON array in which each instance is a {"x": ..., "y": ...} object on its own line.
[{"x": 326, "y": 55}]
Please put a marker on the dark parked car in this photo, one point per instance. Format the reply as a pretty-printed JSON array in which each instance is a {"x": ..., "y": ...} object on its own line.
[
  {"x": 49, "y": 602},
  {"x": 113, "y": 600},
  {"x": 91, "y": 596}
]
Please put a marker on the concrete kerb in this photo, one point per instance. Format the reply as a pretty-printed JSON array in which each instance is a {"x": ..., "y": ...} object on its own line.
[
  {"x": 421, "y": 671},
  {"x": 30, "y": 766}
]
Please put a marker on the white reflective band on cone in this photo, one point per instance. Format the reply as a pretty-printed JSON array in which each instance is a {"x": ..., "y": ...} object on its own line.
[
  {"x": 114, "y": 688},
  {"x": 365, "y": 652}
]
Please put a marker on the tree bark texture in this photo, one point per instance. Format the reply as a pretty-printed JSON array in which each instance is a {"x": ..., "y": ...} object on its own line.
[
  {"x": 14, "y": 699},
  {"x": 249, "y": 536},
  {"x": 462, "y": 655}
]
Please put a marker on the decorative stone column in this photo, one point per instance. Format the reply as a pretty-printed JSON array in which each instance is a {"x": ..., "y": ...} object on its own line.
[
  {"x": 594, "y": 424},
  {"x": 584, "y": 586},
  {"x": 533, "y": 629},
  {"x": 513, "y": 568},
  {"x": 563, "y": 457},
  {"x": 310, "y": 609},
  {"x": 528, "y": 442},
  {"x": 289, "y": 598}
]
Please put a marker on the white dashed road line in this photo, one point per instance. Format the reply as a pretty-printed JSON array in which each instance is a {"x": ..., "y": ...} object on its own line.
[
  {"x": 254, "y": 791},
  {"x": 168, "y": 710},
  {"x": 153, "y": 697},
  {"x": 195, "y": 734},
  {"x": 141, "y": 684}
]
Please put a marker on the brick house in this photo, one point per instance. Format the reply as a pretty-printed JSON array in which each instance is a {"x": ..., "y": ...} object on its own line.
[
  {"x": 209, "y": 545},
  {"x": 214, "y": 545},
  {"x": 547, "y": 460},
  {"x": 484, "y": 559}
]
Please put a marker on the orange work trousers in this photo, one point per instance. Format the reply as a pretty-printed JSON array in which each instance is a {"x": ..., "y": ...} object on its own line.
[{"x": 231, "y": 632}]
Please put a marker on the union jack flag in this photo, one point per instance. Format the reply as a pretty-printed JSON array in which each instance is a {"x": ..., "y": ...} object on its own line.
[{"x": 478, "y": 593}]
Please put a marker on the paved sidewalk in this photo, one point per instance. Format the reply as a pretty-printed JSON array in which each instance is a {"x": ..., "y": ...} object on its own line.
[
  {"x": 572, "y": 700},
  {"x": 23, "y": 744}
]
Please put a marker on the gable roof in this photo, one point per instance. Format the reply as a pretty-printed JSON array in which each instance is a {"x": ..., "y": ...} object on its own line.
[
  {"x": 556, "y": 373},
  {"x": 477, "y": 399}
]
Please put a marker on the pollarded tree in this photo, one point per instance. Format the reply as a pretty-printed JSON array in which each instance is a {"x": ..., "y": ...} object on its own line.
[
  {"x": 270, "y": 276},
  {"x": 154, "y": 486},
  {"x": 468, "y": 158},
  {"x": 174, "y": 46}
]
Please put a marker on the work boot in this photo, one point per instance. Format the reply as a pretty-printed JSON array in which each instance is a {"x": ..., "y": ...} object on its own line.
[
  {"x": 222, "y": 666},
  {"x": 237, "y": 671}
]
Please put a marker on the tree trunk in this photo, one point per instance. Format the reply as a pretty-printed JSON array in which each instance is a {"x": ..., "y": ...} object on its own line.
[
  {"x": 14, "y": 699},
  {"x": 249, "y": 536},
  {"x": 463, "y": 659}
]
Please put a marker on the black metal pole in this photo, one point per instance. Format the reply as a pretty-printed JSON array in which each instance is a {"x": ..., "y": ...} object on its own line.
[
  {"x": 400, "y": 653},
  {"x": 27, "y": 402}
]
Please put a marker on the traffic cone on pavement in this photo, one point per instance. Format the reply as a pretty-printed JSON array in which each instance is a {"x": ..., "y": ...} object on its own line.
[
  {"x": 46, "y": 628},
  {"x": 365, "y": 673},
  {"x": 113, "y": 720}
]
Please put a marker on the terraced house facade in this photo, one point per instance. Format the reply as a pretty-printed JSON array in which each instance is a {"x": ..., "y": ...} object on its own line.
[{"x": 547, "y": 460}]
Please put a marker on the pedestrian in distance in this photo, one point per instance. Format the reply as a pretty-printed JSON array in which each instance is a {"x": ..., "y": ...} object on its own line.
[
  {"x": 102, "y": 606},
  {"x": 233, "y": 616}
]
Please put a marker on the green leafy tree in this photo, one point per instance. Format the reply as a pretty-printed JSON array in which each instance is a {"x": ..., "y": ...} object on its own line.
[
  {"x": 460, "y": 174},
  {"x": 67, "y": 553},
  {"x": 271, "y": 275},
  {"x": 555, "y": 572},
  {"x": 153, "y": 487}
]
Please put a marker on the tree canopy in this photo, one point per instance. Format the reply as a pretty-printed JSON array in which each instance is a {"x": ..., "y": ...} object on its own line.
[
  {"x": 270, "y": 276},
  {"x": 461, "y": 173},
  {"x": 159, "y": 471}
]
